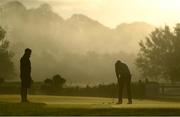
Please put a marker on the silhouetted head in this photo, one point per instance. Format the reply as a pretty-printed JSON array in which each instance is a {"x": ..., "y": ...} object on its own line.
[
  {"x": 27, "y": 52},
  {"x": 118, "y": 62}
]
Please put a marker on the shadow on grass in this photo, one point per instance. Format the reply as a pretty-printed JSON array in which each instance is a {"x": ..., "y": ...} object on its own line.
[{"x": 7, "y": 108}]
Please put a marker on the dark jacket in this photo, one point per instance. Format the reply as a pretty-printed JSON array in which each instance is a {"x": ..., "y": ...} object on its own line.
[
  {"x": 25, "y": 71},
  {"x": 122, "y": 70}
]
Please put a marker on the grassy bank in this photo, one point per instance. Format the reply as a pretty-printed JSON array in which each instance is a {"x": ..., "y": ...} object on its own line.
[{"x": 66, "y": 105}]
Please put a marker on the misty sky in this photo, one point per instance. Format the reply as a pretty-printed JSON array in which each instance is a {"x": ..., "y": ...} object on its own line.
[{"x": 113, "y": 12}]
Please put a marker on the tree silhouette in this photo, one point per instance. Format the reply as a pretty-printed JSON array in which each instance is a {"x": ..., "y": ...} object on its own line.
[
  {"x": 48, "y": 81},
  {"x": 58, "y": 81},
  {"x": 55, "y": 84},
  {"x": 159, "y": 54},
  {"x": 6, "y": 64}
]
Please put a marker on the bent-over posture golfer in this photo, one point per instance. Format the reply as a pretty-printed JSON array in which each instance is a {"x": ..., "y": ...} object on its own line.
[{"x": 124, "y": 79}]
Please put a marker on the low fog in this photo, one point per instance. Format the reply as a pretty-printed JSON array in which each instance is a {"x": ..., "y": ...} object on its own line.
[{"x": 79, "y": 48}]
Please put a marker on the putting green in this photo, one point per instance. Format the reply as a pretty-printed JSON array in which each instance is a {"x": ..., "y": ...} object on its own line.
[
  {"x": 71, "y": 105},
  {"x": 90, "y": 102}
]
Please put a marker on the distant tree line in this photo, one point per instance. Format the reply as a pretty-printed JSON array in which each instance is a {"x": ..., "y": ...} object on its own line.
[
  {"x": 140, "y": 90},
  {"x": 101, "y": 90}
]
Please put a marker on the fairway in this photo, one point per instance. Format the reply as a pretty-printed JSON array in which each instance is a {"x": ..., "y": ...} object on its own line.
[{"x": 69, "y": 105}]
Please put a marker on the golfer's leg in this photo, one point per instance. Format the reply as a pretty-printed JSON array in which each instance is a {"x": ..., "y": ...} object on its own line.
[
  {"x": 22, "y": 94},
  {"x": 25, "y": 94},
  {"x": 121, "y": 85},
  {"x": 128, "y": 85}
]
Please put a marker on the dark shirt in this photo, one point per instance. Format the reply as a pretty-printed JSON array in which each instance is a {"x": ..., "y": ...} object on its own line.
[
  {"x": 25, "y": 68},
  {"x": 122, "y": 70}
]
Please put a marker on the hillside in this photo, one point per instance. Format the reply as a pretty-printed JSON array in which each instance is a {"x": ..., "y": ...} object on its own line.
[{"x": 80, "y": 48}]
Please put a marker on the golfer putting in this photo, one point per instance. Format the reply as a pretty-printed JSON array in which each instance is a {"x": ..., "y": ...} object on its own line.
[{"x": 124, "y": 79}]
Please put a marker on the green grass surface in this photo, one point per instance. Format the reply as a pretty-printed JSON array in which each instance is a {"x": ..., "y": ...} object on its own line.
[{"x": 67, "y": 105}]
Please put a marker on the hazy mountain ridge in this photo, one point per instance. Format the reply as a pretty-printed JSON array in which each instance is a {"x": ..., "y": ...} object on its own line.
[{"x": 61, "y": 45}]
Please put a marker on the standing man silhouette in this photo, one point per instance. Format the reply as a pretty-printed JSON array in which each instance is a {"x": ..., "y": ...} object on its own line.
[
  {"x": 25, "y": 74},
  {"x": 124, "y": 78}
]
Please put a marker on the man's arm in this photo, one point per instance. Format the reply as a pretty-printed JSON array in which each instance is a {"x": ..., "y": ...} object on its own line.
[
  {"x": 117, "y": 71},
  {"x": 21, "y": 68},
  {"x": 128, "y": 71}
]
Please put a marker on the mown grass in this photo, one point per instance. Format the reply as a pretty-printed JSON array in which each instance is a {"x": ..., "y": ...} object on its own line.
[{"x": 66, "y": 105}]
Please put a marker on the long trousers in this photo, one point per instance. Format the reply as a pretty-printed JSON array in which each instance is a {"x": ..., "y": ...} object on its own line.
[
  {"x": 124, "y": 82},
  {"x": 23, "y": 94}
]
